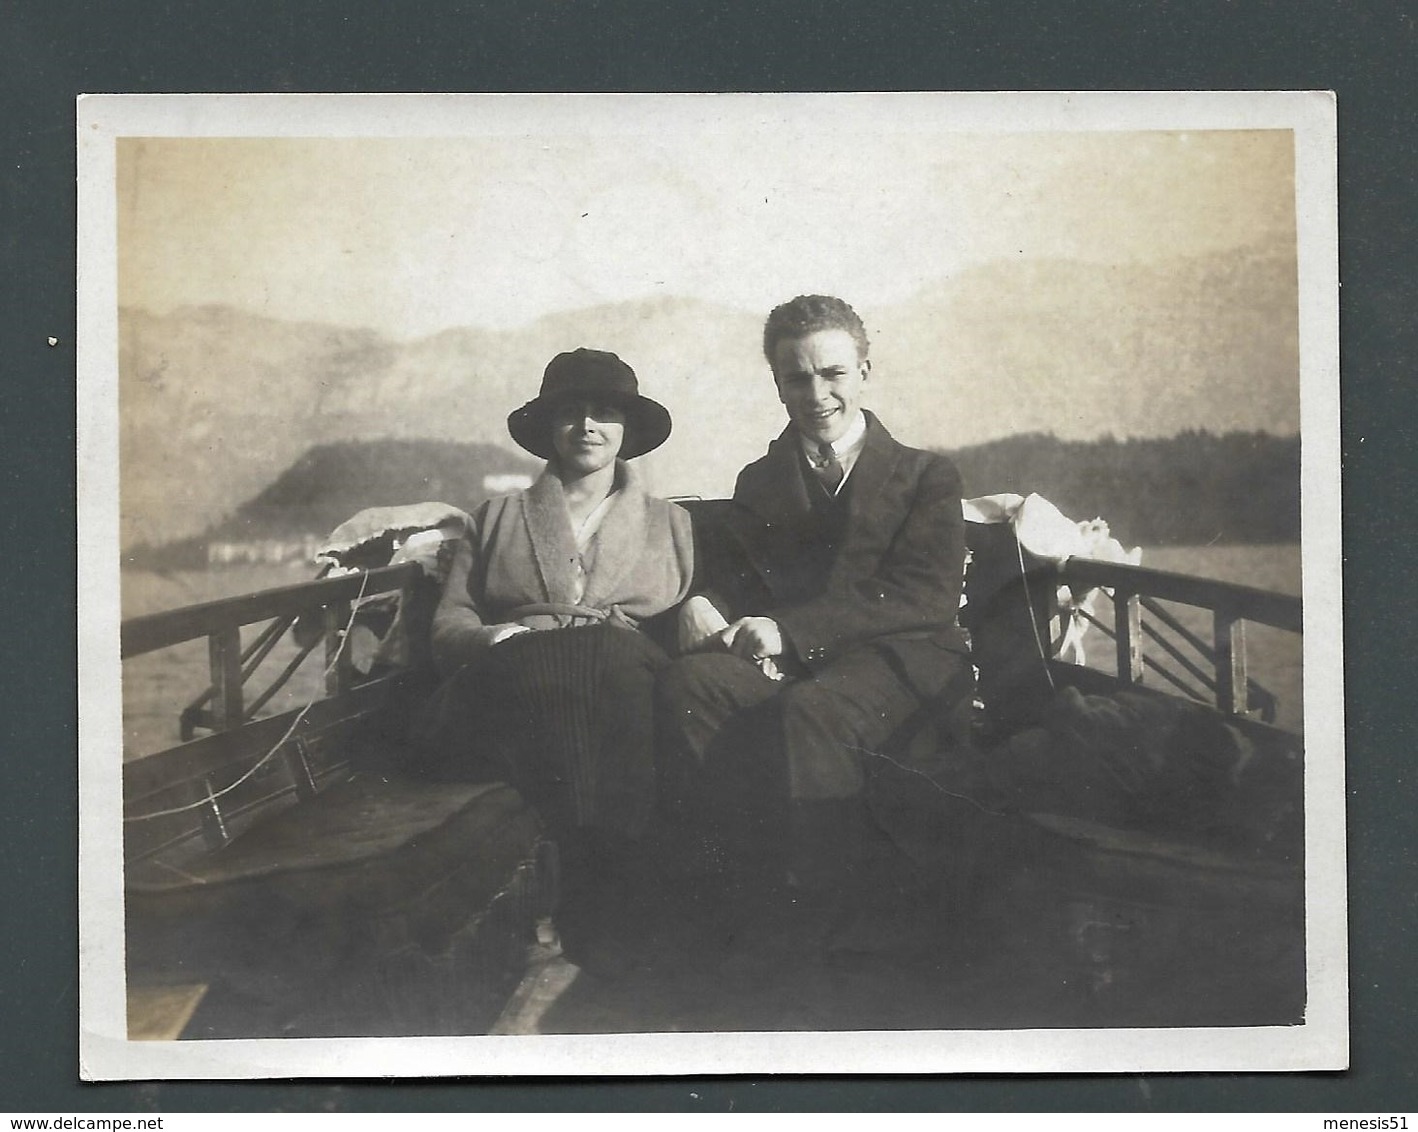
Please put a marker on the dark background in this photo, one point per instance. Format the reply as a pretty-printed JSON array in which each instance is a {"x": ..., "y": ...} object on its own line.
[{"x": 53, "y": 50}]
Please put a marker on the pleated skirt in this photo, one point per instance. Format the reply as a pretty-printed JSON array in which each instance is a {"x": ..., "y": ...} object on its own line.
[{"x": 564, "y": 715}]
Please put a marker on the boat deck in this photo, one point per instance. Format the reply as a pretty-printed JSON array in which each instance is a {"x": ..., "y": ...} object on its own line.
[{"x": 1070, "y": 940}]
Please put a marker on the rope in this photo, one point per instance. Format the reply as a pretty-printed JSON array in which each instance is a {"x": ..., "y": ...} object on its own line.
[
  {"x": 269, "y": 755},
  {"x": 1034, "y": 621}
]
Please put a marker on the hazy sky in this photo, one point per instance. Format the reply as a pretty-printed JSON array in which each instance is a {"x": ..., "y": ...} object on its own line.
[{"x": 414, "y": 235}]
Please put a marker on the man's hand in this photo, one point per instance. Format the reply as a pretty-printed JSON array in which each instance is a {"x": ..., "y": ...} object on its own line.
[{"x": 752, "y": 638}]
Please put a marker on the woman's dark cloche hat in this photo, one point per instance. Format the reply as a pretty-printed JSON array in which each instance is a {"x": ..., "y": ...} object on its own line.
[{"x": 591, "y": 375}]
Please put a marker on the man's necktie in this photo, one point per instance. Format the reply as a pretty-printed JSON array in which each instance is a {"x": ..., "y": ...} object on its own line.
[{"x": 828, "y": 468}]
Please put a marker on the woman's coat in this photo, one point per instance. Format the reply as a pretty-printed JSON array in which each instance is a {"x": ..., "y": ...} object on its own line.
[{"x": 519, "y": 551}]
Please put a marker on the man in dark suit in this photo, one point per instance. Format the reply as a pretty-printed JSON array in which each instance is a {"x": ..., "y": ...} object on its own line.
[{"x": 836, "y": 581}]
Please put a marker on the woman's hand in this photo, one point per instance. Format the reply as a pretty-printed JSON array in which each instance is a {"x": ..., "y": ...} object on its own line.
[
  {"x": 698, "y": 623},
  {"x": 500, "y": 633},
  {"x": 753, "y": 638}
]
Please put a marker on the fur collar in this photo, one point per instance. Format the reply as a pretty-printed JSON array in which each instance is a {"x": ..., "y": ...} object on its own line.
[{"x": 620, "y": 539}]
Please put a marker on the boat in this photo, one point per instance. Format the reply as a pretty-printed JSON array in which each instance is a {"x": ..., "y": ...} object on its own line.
[{"x": 284, "y": 877}]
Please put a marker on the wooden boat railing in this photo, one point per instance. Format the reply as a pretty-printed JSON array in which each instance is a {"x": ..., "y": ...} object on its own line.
[
  {"x": 205, "y": 785},
  {"x": 1137, "y": 590},
  {"x": 161, "y": 798}
]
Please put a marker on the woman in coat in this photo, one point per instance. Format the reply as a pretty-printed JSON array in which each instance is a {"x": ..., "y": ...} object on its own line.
[{"x": 547, "y": 672}]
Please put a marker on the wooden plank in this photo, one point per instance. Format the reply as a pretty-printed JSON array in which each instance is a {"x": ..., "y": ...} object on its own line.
[
  {"x": 213, "y": 821},
  {"x": 1259, "y": 697},
  {"x": 1203, "y": 649},
  {"x": 213, "y": 753},
  {"x": 1127, "y": 622},
  {"x": 280, "y": 680},
  {"x": 224, "y": 655},
  {"x": 142, "y": 839},
  {"x": 1231, "y": 682},
  {"x": 298, "y": 764},
  {"x": 159, "y": 630},
  {"x": 1208, "y": 679},
  {"x": 175, "y": 836},
  {"x": 1283, "y": 611}
]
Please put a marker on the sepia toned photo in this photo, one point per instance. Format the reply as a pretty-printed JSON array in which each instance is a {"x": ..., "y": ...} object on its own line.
[{"x": 709, "y": 584}]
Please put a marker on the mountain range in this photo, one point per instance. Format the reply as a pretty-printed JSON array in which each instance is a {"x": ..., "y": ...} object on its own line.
[{"x": 215, "y": 402}]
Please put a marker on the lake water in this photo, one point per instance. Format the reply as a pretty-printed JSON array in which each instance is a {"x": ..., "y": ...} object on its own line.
[{"x": 157, "y": 686}]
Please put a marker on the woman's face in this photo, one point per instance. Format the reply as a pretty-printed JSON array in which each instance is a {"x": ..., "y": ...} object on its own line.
[{"x": 587, "y": 435}]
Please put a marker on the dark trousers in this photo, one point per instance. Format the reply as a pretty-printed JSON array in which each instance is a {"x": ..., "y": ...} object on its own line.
[{"x": 780, "y": 770}]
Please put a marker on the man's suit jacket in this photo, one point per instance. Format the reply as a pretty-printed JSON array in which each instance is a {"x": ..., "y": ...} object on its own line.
[{"x": 882, "y": 565}]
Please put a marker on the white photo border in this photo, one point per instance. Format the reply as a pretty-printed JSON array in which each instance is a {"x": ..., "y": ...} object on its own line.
[{"x": 106, "y": 1054}]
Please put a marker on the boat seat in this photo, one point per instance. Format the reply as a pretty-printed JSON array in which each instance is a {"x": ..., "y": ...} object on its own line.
[{"x": 316, "y": 902}]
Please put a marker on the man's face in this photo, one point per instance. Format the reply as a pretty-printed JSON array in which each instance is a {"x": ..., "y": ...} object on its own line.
[{"x": 820, "y": 381}]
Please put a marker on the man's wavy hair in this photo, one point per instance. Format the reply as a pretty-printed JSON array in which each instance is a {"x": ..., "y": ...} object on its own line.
[{"x": 808, "y": 314}]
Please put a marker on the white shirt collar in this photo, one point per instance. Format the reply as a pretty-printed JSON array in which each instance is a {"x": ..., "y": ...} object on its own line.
[{"x": 845, "y": 446}]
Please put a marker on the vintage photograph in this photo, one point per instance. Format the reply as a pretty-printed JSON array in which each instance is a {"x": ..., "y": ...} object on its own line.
[{"x": 709, "y": 584}]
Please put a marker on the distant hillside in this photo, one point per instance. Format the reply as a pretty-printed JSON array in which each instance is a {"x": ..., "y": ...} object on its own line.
[
  {"x": 332, "y": 482},
  {"x": 215, "y": 401},
  {"x": 1080, "y": 350},
  {"x": 1191, "y": 489}
]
